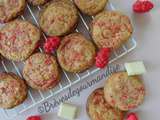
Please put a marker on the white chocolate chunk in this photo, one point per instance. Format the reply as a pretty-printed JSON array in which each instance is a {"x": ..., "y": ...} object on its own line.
[
  {"x": 67, "y": 111},
  {"x": 135, "y": 68}
]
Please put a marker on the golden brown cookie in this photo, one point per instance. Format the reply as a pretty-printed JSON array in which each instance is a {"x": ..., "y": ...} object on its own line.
[
  {"x": 76, "y": 53},
  {"x": 99, "y": 109},
  {"x": 58, "y": 18},
  {"x": 18, "y": 39},
  {"x": 123, "y": 91},
  {"x": 13, "y": 90},
  {"x": 10, "y": 9},
  {"x": 91, "y": 7},
  {"x": 41, "y": 71},
  {"x": 110, "y": 29}
]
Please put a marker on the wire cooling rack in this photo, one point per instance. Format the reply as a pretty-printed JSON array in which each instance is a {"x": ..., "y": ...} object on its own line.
[{"x": 68, "y": 79}]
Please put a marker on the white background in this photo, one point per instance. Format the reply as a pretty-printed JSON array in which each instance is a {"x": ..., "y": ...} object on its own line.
[{"x": 147, "y": 34}]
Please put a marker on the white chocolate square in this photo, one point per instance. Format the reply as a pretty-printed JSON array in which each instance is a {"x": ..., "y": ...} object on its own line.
[
  {"x": 67, "y": 111},
  {"x": 135, "y": 68}
]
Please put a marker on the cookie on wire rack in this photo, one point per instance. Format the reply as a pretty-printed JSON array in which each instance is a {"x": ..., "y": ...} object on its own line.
[
  {"x": 76, "y": 53},
  {"x": 13, "y": 90},
  {"x": 41, "y": 71},
  {"x": 18, "y": 39},
  {"x": 91, "y": 7},
  {"x": 9, "y": 9},
  {"x": 58, "y": 18},
  {"x": 111, "y": 29}
]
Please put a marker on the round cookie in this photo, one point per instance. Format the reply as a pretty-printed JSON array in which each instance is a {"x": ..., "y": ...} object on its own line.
[
  {"x": 110, "y": 29},
  {"x": 99, "y": 109},
  {"x": 91, "y": 7},
  {"x": 13, "y": 90},
  {"x": 123, "y": 91},
  {"x": 37, "y": 2},
  {"x": 41, "y": 71},
  {"x": 58, "y": 18},
  {"x": 10, "y": 9},
  {"x": 18, "y": 39},
  {"x": 76, "y": 53}
]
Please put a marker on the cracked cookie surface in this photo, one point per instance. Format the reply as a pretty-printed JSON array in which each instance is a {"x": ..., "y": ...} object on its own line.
[
  {"x": 110, "y": 29},
  {"x": 58, "y": 18},
  {"x": 41, "y": 71},
  {"x": 13, "y": 90},
  {"x": 123, "y": 91},
  {"x": 76, "y": 53},
  {"x": 99, "y": 109},
  {"x": 18, "y": 39},
  {"x": 10, "y": 9}
]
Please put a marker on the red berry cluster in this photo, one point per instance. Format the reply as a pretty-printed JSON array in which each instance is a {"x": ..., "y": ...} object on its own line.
[
  {"x": 141, "y": 6},
  {"x": 34, "y": 118},
  {"x": 132, "y": 116},
  {"x": 102, "y": 57},
  {"x": 51, "y": 44}
]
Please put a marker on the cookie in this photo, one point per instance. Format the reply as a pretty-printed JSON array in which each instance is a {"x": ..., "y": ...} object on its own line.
[
  {"x": 123, "y": 91},
  {"x": 99, "y": 109},
  {"x": 91, "y": 7},
  {"x": 110, "y": 29},
  {"x": 58, "y": 18},
  {"x": 18, "y": 39},
  {"x": 41, "y": 71},
  {"x": 9, "y": 9},
  {"x": 76, "y": 53},
  {"x": 37, "y": 2},
  {"x": 13, "y": 90}
]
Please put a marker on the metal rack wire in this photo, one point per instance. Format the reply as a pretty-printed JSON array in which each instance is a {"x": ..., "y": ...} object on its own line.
[{"x": 68, "y": 79}]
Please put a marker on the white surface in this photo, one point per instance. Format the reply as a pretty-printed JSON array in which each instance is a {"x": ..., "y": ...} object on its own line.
[{"x": 147, "y": 28}]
